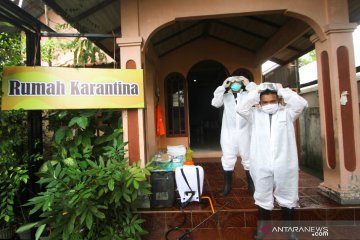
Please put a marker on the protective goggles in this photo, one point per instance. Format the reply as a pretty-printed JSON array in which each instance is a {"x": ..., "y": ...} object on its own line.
[{"x": 268, "y": 86}]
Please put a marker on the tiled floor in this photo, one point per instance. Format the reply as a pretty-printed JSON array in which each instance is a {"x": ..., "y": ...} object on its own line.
[{"x": 238, "y": 219}]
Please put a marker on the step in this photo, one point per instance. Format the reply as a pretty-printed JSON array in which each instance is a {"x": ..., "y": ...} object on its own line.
[{"x": 238, "y": 219}]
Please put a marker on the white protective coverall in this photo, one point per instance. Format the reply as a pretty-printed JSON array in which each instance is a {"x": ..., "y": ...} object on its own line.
[
  {"x": 235, "y": 136},
  {"x": 273, "y": 152}
]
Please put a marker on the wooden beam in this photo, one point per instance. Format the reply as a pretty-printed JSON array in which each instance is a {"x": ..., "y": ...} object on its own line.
[{"x": 286, "y": 35}]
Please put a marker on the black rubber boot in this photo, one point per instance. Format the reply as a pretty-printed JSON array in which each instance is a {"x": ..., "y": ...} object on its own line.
[
  {"x": 250, "y": 183},
  {"x": 288, "y": 216},
  {"x": 227, "y": 183},
  {"x": 264, "y": 218}
]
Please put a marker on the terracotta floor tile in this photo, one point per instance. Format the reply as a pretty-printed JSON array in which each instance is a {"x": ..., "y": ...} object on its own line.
[
  {"x": 239, "y": 183},
  {"x": 246, "y": 202},
  {"x": 203, "y": 220},
  {"x": 238, "y": 219},
  {"x": 309, "y": 182},
  {"x": 154, "y": 221},
  {"x": 182, "y": 220},
  {"x": 234, "y": 233},
  {"x": 206, "y": 234},
  {"x": 251, "y": 219},
  {"x": 325, "y": 202},
  {"x": 340, "y": 215},
  {"x": 344, "y": 233},
  {"x": 308, "y": 202},
  {"x": 154, "y": 235},
  {"x": 231, "y": 203},
  {"x": 276, "y": 215},
  {"x": 241, "y": 192},
  {"x": 232, "y": 219},
  {"x": 312, "y": 215},
  {"x": 309, "y": 191},
  {"x": 172, "y": 235}
]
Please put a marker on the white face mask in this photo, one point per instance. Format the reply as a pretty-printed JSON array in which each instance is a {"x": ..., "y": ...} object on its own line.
[{"x": 270, "y": 108}]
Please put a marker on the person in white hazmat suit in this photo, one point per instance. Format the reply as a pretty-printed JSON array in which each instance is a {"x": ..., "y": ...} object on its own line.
[
  {"x": 235, "y": 135},
  {"x": 273, "y": 152}
]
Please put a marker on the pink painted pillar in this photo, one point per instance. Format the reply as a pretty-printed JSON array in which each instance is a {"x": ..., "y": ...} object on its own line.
[
  {"x": 339, "y": 114},
  {"x": 131, "y": 58}
]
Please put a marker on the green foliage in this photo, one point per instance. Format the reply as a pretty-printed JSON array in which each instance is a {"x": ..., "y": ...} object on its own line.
[
  {"x": 49, "y": 50},
  {"x": 14, "y": 164},
  {"x": 64, "y": 26},
  {"x": 13, "y": 125},
  {"x": 11, "y": 178},
  {"x": 87, "y": 52},
  {"x": 10, "y": 50},
  {"x": 91, "y": 191},
  {"x": 13, "y": 128},
  {"x": 84, "y": 51},
  {"x": 307, "y": 58},
  {"x": 13, "y": 141}
]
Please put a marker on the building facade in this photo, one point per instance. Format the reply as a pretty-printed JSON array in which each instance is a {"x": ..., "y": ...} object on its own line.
[{"x": 170, "y": 78}]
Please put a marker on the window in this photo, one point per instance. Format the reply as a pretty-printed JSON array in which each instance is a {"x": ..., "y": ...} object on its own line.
[{"x": 175, "y": 105}]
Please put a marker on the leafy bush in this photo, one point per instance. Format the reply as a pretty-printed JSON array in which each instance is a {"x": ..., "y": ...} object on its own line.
[
  {"x": 10, "y": 50},
  {"x": 11, "y": 179},
  {"x": 13, "y": 140},
  {"x": 14, "y": 166},
  {"x": 91, "y": 191},
  {"x": 14, "y": 163}
]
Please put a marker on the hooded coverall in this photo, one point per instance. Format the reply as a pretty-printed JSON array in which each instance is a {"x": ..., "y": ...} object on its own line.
[
  {"x": 273, "y": 153},
  {"x": 235, "y": 135}
]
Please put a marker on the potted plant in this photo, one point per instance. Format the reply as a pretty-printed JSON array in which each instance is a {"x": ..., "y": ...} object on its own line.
[{"x": 90, "y": 189}]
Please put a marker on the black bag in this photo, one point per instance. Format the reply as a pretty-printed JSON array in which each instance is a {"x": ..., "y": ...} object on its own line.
[{"x": 162, "y": 189}]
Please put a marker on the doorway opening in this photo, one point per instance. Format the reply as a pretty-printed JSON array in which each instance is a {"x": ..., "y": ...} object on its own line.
[{"x": 204, "y": 119}]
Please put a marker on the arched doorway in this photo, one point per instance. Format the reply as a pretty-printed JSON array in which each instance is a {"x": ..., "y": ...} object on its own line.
[{"x": 204, "y": 119}]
